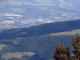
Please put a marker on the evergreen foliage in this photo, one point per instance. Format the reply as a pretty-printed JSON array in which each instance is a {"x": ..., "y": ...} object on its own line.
[
  {"x": 62, "y": 52},
  {"x": 76, "y": 51}
]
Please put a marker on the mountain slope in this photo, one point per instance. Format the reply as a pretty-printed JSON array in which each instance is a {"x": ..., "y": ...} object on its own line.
[
  {"x": 41, "y": 29},
  {"x": 40, "y": 45}
]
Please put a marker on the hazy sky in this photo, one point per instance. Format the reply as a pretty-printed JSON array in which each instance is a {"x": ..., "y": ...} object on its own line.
[{"x": 69, "y": 4}]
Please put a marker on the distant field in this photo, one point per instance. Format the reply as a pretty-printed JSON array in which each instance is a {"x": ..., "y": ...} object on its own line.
[
  {"x": 73, "y": 32},
  {"x": 17, "y": 54},
  {"x": 2, "y": 45}
]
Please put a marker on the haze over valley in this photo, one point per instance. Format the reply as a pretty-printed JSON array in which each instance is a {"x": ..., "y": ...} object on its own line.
[
  {"x": 29, "y": 29},
  {"x": 18, "y": 14}
]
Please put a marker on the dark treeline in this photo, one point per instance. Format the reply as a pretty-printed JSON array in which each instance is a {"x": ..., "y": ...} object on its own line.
[{"x": 40, "y": 30}]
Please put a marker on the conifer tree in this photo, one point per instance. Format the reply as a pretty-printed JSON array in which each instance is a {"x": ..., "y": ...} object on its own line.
[
  {"x": 61, "y": 52},
  {"x": 76, "y": 51}
]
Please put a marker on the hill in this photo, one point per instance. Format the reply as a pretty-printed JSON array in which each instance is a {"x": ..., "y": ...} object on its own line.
[
  {"x": 42, "y": 46},
  {"x": 38, "y": 41},
  {"x": 49, "y": 28}
]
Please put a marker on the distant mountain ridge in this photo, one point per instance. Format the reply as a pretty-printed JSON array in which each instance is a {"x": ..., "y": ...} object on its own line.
[
  {"x": 41, "y": 29},
  {"x": 27, "y": 15}
]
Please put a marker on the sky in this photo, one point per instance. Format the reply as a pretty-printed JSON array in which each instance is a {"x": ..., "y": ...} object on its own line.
[{"x": 68, "y": 4}]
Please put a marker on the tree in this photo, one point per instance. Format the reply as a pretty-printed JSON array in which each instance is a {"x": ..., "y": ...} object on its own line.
[
  {"x": 62, "y": 52},
  {"x": 76, "y": 45}
]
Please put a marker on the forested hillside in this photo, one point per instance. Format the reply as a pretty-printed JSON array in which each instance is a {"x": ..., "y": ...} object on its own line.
[
  {"x": 37, "y": 42},
  {"x": 40, "y": 30}
]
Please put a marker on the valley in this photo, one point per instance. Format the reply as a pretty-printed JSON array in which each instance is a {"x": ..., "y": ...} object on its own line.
[
  {"x": 21, "y": 41},
  {"x": 30, "y": 29},
  {"x": 33, "y": 16}
]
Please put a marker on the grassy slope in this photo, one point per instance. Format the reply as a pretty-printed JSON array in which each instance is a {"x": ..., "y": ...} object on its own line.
[
  {"x": 17, "y": 54},
  {"x": 67, "y": 33},
  {"x": 2, "y": 45}
]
